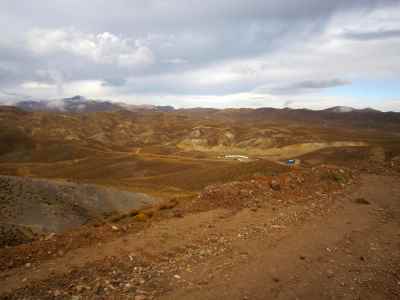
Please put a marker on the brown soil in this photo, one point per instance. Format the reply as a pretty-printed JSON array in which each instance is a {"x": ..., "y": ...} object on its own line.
[
  {"x": 326, "y": 228},
  {"x": 31, "y": 207},
  {"x": 296, "y": 242}
]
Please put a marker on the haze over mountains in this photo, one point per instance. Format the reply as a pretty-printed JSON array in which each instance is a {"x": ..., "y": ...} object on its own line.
[
  {"x": 214, "y": 149},
  {"x": 106, "y": 185},
  {"x": 81, "y": 104},
  {"x": 78, "y": 104}
]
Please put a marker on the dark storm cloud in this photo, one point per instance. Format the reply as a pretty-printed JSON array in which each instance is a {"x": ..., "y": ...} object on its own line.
[
  {"x": 114, "y": 82},
  {"x": 318, "y": 84},
  {"x": 303, "y": 86},
  {"x": 156, "y": 15},
  {"x": 372, "y": 35},
  {"x": 147, "y": 45}
]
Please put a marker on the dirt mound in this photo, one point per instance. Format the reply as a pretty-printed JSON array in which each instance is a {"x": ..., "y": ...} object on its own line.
[
  {"x": 395, "y": 163},
  {"x": 12, "y": 235},
  {"x": 322, "y": 244},
  {"x": 14, "y": 139},
  {"x": 42, "y": 206},
  {"x": 178, "y": 131},
  {"x": 287, "y": 187}
]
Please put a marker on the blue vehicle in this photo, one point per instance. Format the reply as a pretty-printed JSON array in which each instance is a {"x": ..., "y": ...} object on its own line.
[{"x": 291, "y": 162}]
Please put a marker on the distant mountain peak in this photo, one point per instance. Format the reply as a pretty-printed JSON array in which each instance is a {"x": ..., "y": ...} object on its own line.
[
  {"x": 341, "y": 109},
  {"x": 80, "y": 104},
  {"x": 76, "y": 98},
  {"x": 348, "y": 109},
  {"x": 370, "y": 109}
]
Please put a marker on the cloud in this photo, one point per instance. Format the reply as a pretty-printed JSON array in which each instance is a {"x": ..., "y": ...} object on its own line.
[
  {"x": 58, "y": 104},
  {"x": 226, "y": 52},
  {"x": 176, "y": 61},
  {"x": 52, "y": 76},
  {"x": 389, "y": 105},
  {"x": 302, "y": 86},
  {"x": 9, "y": 98},
  {"x": 114, "y": 81},
  {"x": 372, "y": 35},
  {"x": 102, "y": 48}
]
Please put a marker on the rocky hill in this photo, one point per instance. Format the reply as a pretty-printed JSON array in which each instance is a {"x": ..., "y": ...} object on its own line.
[
  {"x": 27, "y": 135},
  {"x": 227, "y": 208},
  {"x": 32, "y": 207},
  {"x": 80, "y": 104}
]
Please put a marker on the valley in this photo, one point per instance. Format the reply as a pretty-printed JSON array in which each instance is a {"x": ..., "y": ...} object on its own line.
[
  {"x": 150, "y": 204},
  {"x": 200, "y": 150}
]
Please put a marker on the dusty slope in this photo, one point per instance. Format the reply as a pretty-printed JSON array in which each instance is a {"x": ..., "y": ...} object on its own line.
[
  {"x": 323, "y": 245},
  {"x": 37, "y": 206},
  {"x": 353, "y": 252},
  {"x": 37, "y": 136},
  {"x": 254, "y": 227}
]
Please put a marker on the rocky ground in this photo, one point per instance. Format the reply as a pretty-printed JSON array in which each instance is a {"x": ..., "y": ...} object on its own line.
[
  {"x": 318, "y": 233},
  {"x": 30, "y": 207}
]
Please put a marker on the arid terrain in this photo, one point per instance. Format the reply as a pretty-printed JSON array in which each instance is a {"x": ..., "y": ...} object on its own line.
[{"x": 142, "y": 203}]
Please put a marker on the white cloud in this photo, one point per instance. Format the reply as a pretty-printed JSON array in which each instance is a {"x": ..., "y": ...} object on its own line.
[
  {"x": 58, "y": 103},
  {"x": 53, "y": 76},
  {"x": 258, "y": 53},
  {"x": 390, "y": 105},
  {"x": 32, "y": 85},
  {"x": 102, "y": 48},
  {"x": 176, "y": 61}
]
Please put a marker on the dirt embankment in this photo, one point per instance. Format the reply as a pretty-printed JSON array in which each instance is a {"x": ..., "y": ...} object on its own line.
[
  {"x": 298, "y": 233},
  {"x": 31, "y": 206}
]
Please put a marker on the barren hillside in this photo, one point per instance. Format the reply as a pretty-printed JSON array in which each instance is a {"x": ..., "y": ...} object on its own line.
[{"x": 186, "y": 204}]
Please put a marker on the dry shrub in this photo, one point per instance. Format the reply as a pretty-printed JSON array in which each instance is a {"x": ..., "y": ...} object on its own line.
[{"x": 141, "y": 217}]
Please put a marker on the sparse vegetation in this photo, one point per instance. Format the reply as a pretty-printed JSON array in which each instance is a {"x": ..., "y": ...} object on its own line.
[{"x": 201, "y": 200}]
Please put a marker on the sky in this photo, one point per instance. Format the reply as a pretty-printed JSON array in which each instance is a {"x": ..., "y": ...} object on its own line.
[{"x": 203, "y": 53}]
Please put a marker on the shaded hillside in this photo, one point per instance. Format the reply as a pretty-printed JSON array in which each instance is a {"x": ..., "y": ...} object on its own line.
[
  {"x": 30, "y": 136},
  {"x": 14, "y": 139},
  {"x": 79, "y": 104},
  {"x": 33, "y": 206}
]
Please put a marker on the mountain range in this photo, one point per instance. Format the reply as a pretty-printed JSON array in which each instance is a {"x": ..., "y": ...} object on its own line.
[{"x": 80, "y": 104}]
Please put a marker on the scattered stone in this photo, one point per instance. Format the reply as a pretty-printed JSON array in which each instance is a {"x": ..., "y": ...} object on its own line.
[
  {"x": 203, "y": 282},
  {"x": 28, "y": 265},
  {"x": 141, "y": 292},
  {"x": 141, "y": 217},
  {"x": 140, "y": 297},
  {"x": 330, "y": 273},
  {"x": 50, "y": 236},
  {"x": 275, "y": 279},
  {"x": 362, "y": 201},
  {"x": 10, "y": 264},
  {"x": 80, "y": 288},
  {"x": 115, "y": 228},
  {"x": 177, "y": 276},
  {"x": 275, "y": 185},
  {"x": 278, "y": 226},
  {"x": 178, "y": 214},
  {"x": 202, "y": 252}
]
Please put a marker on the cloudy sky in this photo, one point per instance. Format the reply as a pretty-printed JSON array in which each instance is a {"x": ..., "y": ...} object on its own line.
[{"x": 215, "y": 53}]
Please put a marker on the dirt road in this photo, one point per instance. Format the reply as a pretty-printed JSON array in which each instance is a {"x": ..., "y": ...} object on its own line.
[
  {"x": 352, "y": 252},
  {"x": 341, "y": 246}
]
